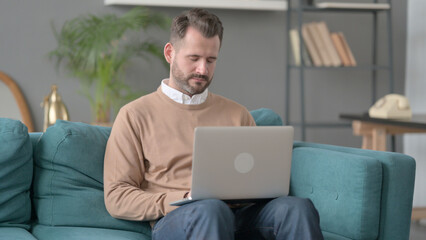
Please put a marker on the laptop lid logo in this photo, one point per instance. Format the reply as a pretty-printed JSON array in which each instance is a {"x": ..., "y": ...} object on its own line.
[{"x": 244, "y": 162}]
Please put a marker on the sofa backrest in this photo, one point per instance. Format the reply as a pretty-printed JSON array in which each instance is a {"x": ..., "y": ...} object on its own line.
[
  {"x": 16, "y": 172},
  {"x": 266, "y": 117},
  {"x": 68, "y": 180}
]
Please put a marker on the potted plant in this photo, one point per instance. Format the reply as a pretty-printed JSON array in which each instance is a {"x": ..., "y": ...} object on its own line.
[{"x": 95, "y": 49}]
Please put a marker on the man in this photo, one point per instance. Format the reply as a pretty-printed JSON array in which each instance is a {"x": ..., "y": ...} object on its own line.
[{"x": 149, "y": 153}]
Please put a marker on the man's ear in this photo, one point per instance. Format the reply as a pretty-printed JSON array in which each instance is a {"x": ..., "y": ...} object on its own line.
[{"x": 169, "y": 52}]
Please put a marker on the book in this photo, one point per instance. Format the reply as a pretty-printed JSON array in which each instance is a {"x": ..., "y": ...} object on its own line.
[
  {"x": 310, "y": 47},
  {"x": 328, "y": 43},
  {"x": 340, "y": 49},
  {"x": 295, "y": 44},
  {"x": 319, "y": 44},
  {"x": 347, "y": 49},
  {"x": 375, "y": 6}
]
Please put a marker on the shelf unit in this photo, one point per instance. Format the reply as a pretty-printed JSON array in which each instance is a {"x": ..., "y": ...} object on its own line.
[
  {"x": 373, "y": 8},
  {"x": 267, "y": 5}
]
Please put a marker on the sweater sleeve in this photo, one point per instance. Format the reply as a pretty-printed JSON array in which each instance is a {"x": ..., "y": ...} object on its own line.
[
  {"x": 248, "y": 119},
  {"x": 124, "y": 175}
]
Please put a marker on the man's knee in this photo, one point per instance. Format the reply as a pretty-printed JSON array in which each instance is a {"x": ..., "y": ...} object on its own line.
[
  {"x": 211, "y": 217},
  {"x": 300, "y": 217},
  {"x": 301, "y": 206},
  {"x": 204, "y": 219},
  {"x": 302, "y": 203}
]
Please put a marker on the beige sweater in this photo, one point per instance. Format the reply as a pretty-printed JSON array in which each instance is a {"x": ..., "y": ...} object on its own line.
[{"x": 149, "y": 152}]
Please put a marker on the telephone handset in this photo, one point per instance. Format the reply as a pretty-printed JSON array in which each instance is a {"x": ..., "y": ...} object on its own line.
[{"x": 391, "y": 106}]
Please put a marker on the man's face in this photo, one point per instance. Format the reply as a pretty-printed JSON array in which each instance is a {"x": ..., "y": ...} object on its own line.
[{"x": 192, "y": 62}]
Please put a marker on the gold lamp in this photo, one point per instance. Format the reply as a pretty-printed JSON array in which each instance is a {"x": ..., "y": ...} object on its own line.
[{"x": 54, "y": 108}]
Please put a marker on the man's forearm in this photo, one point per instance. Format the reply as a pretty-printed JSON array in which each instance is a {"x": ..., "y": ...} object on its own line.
[{"x": 128, "y": 202}]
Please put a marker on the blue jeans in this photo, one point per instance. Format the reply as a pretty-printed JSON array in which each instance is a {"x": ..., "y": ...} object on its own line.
[{"x": 281, "y": 218}]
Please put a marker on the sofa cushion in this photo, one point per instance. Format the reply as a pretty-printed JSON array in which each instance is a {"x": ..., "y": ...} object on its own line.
[
  {"x": 42, "y": 232},
  {"x": 15, "y": 233},
  {"x": 16, "y": 172},
  {"x": 349, "y": 205},
  {"x": 266, "y": 117},
  {"x": 68, "y": 182}
]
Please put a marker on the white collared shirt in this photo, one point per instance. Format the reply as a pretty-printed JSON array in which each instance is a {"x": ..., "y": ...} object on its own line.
[{"x": 182, "y": 98}]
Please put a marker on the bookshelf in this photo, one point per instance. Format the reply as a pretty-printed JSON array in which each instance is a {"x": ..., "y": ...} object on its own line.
[{"x": 297, "y": 7}]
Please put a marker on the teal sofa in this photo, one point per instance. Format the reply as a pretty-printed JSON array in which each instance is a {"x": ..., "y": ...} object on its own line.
[{"x": 51, "y": 186}]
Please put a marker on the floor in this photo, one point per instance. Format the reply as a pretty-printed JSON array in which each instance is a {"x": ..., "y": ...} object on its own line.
[{"x": 418, "y": 230}]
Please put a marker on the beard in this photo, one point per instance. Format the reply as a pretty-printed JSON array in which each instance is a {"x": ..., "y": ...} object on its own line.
[{"x": 182, "y": 80}]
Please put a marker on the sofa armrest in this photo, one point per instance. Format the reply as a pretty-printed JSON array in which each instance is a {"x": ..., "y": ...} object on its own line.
[{"x": 360, "y": 194}]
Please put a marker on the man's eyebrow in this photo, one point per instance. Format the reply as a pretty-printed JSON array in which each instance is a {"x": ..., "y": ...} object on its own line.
[{"x": 195, "y": 55}]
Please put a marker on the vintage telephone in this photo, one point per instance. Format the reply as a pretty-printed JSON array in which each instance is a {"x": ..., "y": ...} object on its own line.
[{"x": 393, "y": 106}]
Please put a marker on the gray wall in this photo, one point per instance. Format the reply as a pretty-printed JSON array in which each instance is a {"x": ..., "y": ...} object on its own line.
[{"x": 250, "y": 70}]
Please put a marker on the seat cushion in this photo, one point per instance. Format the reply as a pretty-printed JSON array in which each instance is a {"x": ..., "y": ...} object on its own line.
[
  {"x": 15, "y": 233},
  {"x": 42, "y": 232},
  {"x": 16, "y": 172},
  {"x": 68, "y": 181},
  {"x": 345, "y": 188}
]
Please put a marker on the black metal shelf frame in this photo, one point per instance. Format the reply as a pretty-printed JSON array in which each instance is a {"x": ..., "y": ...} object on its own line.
[{"x": 374, "y": 67}]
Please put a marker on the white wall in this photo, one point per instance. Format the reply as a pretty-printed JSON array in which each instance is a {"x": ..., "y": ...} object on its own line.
[{"x": 415, "y": 144}]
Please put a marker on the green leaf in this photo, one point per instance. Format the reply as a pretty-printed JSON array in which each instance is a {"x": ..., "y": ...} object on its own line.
[{"x": 95, "y": 50}]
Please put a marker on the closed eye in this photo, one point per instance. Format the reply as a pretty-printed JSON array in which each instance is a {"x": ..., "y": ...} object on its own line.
[
  {"x": 194, "y": 58},
  {"x": 211, "y": 60}
]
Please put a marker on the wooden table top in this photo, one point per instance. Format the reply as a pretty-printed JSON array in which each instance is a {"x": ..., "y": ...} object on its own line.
[{"x": 417, "y": 121}]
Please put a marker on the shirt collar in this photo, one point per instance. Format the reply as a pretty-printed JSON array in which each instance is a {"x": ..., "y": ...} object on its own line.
[{"x": 182, "y": 98}]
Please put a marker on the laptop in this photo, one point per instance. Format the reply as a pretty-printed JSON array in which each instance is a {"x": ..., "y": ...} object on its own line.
[{"x": 240, "y": 164}]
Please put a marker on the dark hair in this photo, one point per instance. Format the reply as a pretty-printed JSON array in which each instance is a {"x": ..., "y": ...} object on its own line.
[{"x": 208, "y": 24}]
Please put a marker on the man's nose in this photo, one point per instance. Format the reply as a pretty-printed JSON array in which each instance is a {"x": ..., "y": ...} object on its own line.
[{"x": 202, "y": 68}]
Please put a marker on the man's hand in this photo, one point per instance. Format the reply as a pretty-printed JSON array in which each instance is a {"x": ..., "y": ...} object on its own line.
[{"x": 187, "y": 195}]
